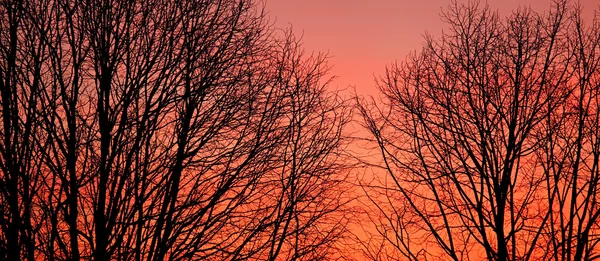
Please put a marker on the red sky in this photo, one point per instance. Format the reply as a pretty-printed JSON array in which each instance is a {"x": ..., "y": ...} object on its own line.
[{"x": 363, "y": 36}]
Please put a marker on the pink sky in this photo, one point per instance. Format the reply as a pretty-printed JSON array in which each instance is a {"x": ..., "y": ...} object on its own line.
[{"x": 363, "y": 36}]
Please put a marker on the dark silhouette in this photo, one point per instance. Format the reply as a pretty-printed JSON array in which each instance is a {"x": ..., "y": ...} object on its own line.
[
  {"x": 195, "y": 130},
  {"x": 164, "y": 130},
  {"x": 490, "y": 139}
]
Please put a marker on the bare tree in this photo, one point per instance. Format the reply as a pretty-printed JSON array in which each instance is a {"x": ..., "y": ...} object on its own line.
[
  {"x": 161, "y": 130},
  {"x": 488, "y": 137},
  {"x": 21, "y": 57}
]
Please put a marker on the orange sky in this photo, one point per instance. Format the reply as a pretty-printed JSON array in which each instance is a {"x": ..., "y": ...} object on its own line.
[{"x": 363, "y": 36}]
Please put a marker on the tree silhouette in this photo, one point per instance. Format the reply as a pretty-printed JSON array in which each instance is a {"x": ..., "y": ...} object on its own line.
[
  {"x": 165, "y": 130},
  {"x": 489, "y": 138}
]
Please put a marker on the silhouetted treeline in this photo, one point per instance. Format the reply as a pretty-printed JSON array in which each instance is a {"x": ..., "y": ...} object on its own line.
[
  {"x": 490, "y": 137},
  {"x": 164, "y": 130},
  {"x": 195, "y": 130}
]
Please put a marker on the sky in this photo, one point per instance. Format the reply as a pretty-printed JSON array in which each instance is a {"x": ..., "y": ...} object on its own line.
[{"x": 362, "y": 37}]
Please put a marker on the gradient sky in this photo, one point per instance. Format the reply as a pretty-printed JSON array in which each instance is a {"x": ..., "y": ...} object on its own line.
[{"x": 363, "y": 36}]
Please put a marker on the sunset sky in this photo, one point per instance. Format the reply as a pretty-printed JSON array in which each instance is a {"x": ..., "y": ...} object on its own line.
[
  {"x": 255, "y": 130},
  {"x": 363, "y": 36}
]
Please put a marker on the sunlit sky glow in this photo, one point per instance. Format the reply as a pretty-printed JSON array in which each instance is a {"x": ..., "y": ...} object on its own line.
[{"x": 363, "y": 36}]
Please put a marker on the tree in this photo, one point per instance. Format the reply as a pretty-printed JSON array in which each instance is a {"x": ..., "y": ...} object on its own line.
[
  {"x": 20, "y": 81},
  {"x": 489, "y": 137},
  {"x": 163, "y": 130}
]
